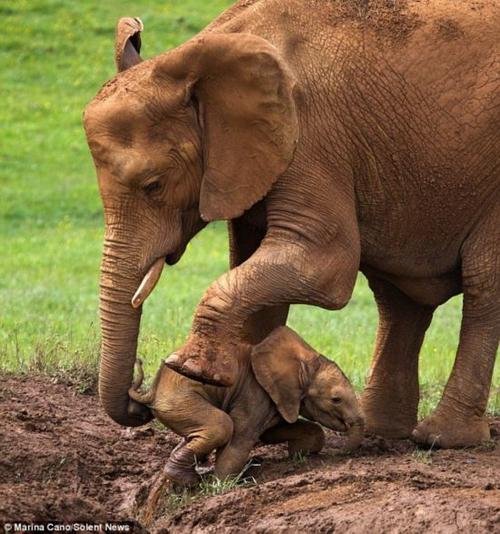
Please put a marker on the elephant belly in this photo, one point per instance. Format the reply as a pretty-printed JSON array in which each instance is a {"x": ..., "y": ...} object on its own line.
[{"x": 428, "y": 291}]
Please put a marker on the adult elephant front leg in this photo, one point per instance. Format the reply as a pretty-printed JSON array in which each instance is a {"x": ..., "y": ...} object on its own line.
[
  {"x": 390, "y": 399},
  {"x": 303, "y": 259},
  {"x": 244, "y": 239}
]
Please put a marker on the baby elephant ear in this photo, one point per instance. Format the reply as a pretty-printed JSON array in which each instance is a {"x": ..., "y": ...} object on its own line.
[
  {"x": 283, "y": 365},
  {"x": 128, "y": 42}
]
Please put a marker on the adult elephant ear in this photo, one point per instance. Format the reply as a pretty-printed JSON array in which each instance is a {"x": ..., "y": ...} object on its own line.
[
  {"x": 284, "y": 365},
  {"x": 128, "y": 42},
  {"x": 243, "y": 92}
]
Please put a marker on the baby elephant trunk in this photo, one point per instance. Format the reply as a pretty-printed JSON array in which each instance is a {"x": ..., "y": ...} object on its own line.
[{"x": 355, "y": 433}]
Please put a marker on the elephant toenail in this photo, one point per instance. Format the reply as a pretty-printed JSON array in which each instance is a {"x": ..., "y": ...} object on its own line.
[
  {"x": 192, "y": 366},
  {"x": 173, "y": 358}
]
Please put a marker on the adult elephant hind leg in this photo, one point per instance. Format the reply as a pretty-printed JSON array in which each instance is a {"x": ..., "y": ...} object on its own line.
[
  {"x": 390, "y": 399},
  {"x": 459, "y": 420},
  {"x": 303, "y": 437}
]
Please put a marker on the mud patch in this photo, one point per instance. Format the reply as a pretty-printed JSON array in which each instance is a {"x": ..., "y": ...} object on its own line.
[
  {"x": 62, "y": 459},
  {"x": 448, "y": 29}
]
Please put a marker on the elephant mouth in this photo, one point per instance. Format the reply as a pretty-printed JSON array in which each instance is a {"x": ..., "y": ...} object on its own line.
[
  {"x": 172, "y": 259},
  {"x": 148, "y": 282},
  {"x": 341, "y": 425}
]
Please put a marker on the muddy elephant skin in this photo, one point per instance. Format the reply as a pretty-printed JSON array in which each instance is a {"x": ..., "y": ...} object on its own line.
[
  {"x": 334, "y": 136},
  {"x": 278, "y": 380}
]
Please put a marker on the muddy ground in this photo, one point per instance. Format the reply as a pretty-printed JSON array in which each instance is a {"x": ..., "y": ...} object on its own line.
[{"x": 62, "y": 459}]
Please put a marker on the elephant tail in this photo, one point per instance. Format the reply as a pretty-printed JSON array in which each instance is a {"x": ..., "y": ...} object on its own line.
[{"x": 143, "y": 397}]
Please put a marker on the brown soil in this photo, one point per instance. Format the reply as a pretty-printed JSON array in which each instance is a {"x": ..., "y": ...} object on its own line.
[{"x": 62, "y": 459}]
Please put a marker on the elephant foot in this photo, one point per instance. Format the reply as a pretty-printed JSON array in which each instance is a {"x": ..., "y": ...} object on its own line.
[
  {"x": 387, "y": 418},
  {"x": 217, "y": 371},
  {"x": 180, "y": 467},
  {"x": 445, "y": 430}
]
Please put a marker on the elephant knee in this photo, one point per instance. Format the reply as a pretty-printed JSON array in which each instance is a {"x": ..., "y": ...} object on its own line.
[
  {"x": 337, "y": 289},
  {"x": 331, "y": 287},
  {"x": 338, "y": 298}
]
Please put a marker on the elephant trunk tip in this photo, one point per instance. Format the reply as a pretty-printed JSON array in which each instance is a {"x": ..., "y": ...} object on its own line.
[
  {"x": 129, "y": 413},
  {"x": 140, "y": 412},
  {"x": 135, "y": 415},
  {"x": 355, "y": 434}
]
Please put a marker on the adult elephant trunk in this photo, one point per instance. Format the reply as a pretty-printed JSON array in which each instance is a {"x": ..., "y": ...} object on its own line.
[
  {"x": 120, "y": 330},
  {"x": 355, "y": 434}
]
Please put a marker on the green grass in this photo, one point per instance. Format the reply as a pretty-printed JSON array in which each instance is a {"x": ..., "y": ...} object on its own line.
[
  {"x": 209, "y": 486},
  {"x": 423, "y": 456},
  {"x": 54, "y": 55}
]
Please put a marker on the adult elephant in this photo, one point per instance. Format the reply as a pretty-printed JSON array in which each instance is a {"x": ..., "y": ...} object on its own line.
[{"x": 334, "y": 136}]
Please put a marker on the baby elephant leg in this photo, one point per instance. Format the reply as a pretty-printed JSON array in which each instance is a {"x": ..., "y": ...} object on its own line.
[
  {"x": 304, "y": 437},
  {"x": 232, "y": 458},
  {"x": 205, "y": 429}
]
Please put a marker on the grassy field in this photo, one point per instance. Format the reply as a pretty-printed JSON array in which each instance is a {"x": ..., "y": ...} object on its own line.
[{"x": 54, "y": 55}]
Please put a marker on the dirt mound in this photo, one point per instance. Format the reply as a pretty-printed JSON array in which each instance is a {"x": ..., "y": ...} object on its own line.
[{"x": 62, "y": 459}]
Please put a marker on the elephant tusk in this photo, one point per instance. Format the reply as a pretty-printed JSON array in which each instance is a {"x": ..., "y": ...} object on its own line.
[{"x": 148, "y": 282}]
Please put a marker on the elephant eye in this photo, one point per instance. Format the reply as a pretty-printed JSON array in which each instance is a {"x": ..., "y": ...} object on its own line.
[
  {"x": 336, "y": 400},
  {"x": 152, "y": 187}
]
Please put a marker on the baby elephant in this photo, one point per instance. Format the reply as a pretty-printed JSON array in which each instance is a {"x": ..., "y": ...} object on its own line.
[{"x": 279, "y": 379}]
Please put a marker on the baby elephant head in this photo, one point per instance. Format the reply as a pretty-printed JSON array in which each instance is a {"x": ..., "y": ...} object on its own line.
[{"x": 301, "y": 381}]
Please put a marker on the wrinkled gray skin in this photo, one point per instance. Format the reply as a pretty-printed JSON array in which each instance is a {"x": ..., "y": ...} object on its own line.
[
  {"x": 278, "y": 380},
  {"x": 334, "y": 136}
]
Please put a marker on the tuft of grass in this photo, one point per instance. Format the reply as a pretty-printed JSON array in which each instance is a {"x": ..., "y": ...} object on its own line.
[
  {"x": 209, "y": 486},
  {"x": 64, "y": 363},
  {"x": 177, "y": 500},
  {"x": 212, "y": 486},
  {"x": 298, "y": 458},
  {"x": 488, "y": 445},
  {"x": 423, "y": 456}
]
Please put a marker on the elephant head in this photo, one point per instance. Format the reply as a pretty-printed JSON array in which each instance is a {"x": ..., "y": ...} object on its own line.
[
  {"x": 302, "y": 382},
  {"x": 197, "y": 134}
]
